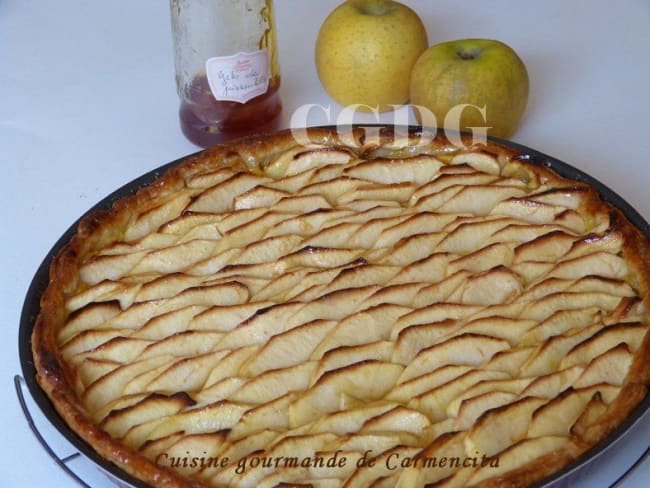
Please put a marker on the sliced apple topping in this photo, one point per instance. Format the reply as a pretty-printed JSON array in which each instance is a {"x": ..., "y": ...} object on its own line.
[{"x": 398, "y": 304}]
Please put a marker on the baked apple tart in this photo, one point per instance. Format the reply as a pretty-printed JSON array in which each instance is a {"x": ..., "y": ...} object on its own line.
[{"x": 343, "y": 312}]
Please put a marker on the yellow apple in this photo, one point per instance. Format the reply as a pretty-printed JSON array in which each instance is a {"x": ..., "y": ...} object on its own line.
[
  {"x": 481, "y": 72},
  {"x": 365, "y": 52}
]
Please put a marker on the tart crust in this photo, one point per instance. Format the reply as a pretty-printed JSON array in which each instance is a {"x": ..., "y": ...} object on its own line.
[{"x": 101, "y": 228}]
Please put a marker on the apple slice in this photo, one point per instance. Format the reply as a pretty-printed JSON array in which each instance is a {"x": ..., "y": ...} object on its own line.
[
  {"x": 200, "y": 449},
  {"x": 472, "y": 408},
  {"x": 501, "y": 427},
  {"x": 168, "y": 324},
  {"x": 618, "y": 288},
  {"x": 91, "y": 369},
  {"x": 110, "y": 386},
  {"x": 510, "y": 386},
  {"x": 382, "y": 469},
  {"x": 109, "y": 267},
  {"x": 426, "y": 469},
  {"x": 350, "y": 421},
  {"x": 531, "y": 271},
  {"x": 522, "y": 453},
  {"x": 397, "y": 192},
  {"x": 228, "y": 221},
  {"x": 433, "y": 403},
  {"x": 359, "y": 276},
  {"x": 90, "y": 339},
  {"x": 118, "y": 349},
  {"x": 610, "y": 242},
  {"x": 220, "y": 197},
  {"x": 221, "y": 390},
  {"x": 433, "y": 201},
  {"x": 276, "y": 383},
  {"x": 407, "y": 390},
  {"x": 491, "y": 287},
  {"x": 440, "y": 292},
  {"x": 631, "y": 334},
  {"x": 92, "y": 294},
  {"x": 336, "y": 236},
  {"x": 509, "y": 361},
  {"x": 187, "y": 221},
  {"x": 369, "y": 380},
  {"x": 610, "y": 367},
  {"x": 548, "y": 247},
  {"x": 308, "y": 224},
  {"x": 550, "y": 385},
  {"x": 560, "y": 413},
  {"x": 371, "y": 325},
  {"x": 347, "y": 355},
  {"x": 211, "y": 418},
  {"x": 488, "y": 257},
  {"x": 471, "y": 236},
  {"x": 479, "y": 199},
  {"x": 561, "y": 322},
  {"x": 599, "y": 263},
  {"x": 505, "y": 328},
  {"x": 260, "y": 327},
  {"x": 304, "y": 158},
  {"x": 412, "y": 339},
  {"x": 191, "y": 372},
  {"x": 421, "y": 222},
  {"x": 436, "y": 314},
  {"x": 418, "y": 169},
  {"x": 482, "y": 161},
  {"x": 273, "y": 416},
  {"x": 230, "y": 364},
  {"x": 548, "y": 356},
  {"x": 288, "y": 348},
  {"x": 402, "y": 294},
  {"x": 212, "y": 264},
  {"x": 594, "y": 410},
  {"x": 150, "y": 220},
  {"x": 267, "y": 250},
  {"x": 464, "y": 349},
  {"x": 547, "y": 306},
  {"x": 398, "y": 419},
  {"x": 446, "y": 180},
  {"x": 258, "y": 197},
  {"x": 430, "y": 269},
  {"x": 226, "y": 317},
  {"x": 118, "y": 422},
  {"x": 300, "y": 447},
  {"x": 208, "y": 178},
  {"x": 188, "y": 343}
]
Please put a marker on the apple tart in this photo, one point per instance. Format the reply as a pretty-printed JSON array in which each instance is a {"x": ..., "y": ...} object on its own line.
[{"x": 344, "y": 312}]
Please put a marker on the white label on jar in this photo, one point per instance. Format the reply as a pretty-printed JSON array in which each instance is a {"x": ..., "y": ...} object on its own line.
[{"x": 239, "y": 77}]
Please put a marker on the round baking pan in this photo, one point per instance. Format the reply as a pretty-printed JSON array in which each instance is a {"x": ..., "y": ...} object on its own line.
[{"x": 563, "y": 478}]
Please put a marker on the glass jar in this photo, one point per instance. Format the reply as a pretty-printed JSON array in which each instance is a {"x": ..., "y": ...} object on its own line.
[{"x": 227, "y": 72}]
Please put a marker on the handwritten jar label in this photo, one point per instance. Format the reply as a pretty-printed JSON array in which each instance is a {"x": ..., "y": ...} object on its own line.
[{"x": 239, "y": 77}]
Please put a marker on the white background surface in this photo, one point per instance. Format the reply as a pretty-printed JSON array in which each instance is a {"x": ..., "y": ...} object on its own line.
[{"x": 87, "y": 103}]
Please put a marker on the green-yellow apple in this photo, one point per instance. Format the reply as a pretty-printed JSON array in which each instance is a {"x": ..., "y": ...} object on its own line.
[
  {"x": 365, "y": 52},
  {"x": 481, "y": 72}
]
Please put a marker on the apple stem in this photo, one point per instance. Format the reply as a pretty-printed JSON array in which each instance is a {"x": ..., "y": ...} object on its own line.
[
  {"x": 374, "y": 7},
  {"x": 471, "y": 54}
]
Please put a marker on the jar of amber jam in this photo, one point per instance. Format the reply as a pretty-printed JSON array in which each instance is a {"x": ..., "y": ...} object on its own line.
[{"x": 227, "y": 71}]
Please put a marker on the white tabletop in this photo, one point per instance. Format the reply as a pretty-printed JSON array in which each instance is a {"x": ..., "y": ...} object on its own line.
[{"x": 87, "y": 103}]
